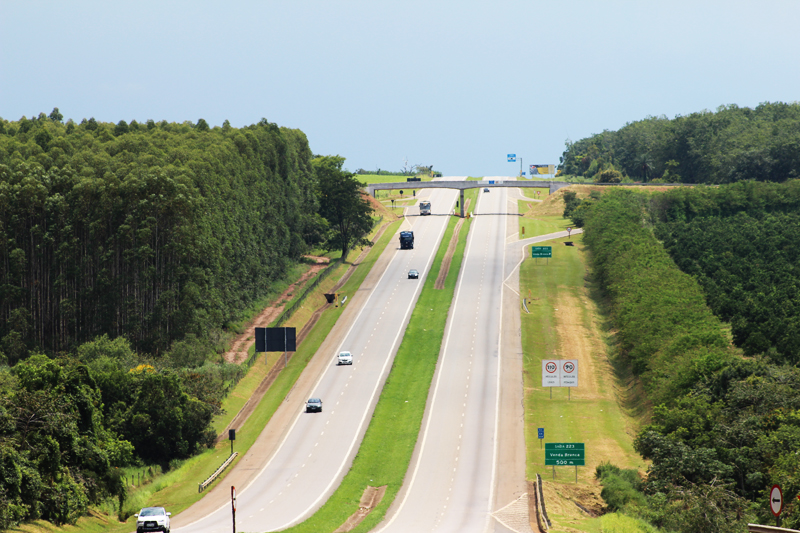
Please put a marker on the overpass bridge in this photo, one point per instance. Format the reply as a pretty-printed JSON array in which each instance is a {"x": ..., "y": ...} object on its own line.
[
  {"x": 463, "y": 185},
  {"x": 474, "y": 184}
]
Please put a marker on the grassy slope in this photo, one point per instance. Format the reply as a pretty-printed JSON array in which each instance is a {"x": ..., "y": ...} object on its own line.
[
  {"x": 385, "y": 452},
  {"x": 563, "y": 324}
]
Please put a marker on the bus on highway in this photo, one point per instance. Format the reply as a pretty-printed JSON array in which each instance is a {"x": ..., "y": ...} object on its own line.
[{"x": 424, "y": 208}]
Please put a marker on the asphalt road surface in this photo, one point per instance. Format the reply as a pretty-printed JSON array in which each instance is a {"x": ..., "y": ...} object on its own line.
[
  {"x": 453, "y": 477},
  {"x": 318, "y": 448}
]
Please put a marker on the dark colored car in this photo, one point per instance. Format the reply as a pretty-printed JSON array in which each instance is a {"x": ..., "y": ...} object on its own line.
[
  {"x": 413, "y": 274},
  {"x": 152, "y": 519},
  {"x": 486, "y": 189},
  {"x": 314, "y": 405}
]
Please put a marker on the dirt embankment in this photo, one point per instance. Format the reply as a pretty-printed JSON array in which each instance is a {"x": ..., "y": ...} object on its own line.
[{"x": 241, "y": 344}]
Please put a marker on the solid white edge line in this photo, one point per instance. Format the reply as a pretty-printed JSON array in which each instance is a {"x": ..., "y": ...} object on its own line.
[
  {"x": 299, "y": 414},
  {"x": 411, "y": 306},
  {"x": 497, "y": 401},
  {"x": 538, "y": 238},
  {"x": 433, "y": 400}
]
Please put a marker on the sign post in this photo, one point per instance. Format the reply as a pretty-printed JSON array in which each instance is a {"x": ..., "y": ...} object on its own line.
[
  {"x": 233, "y": 506},
  {"x": 542, "y": 251},
  {"x": 550, "y": 375},
  {"x": 776, "y": 502},
  {"x": 565, "y": 454},
  {"x": 541, "y": 437},
  {"x": 277, "y": 340}
]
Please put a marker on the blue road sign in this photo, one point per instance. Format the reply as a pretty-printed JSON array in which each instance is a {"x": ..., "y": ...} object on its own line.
[
  {"x": 512, "y": 158},
  {"x": 541, "y": 433}
]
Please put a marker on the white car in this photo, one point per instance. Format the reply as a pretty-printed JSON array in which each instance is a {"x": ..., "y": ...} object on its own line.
[
  {"x": 152, "y": 519},
  {"x": 345, "y": 358}
]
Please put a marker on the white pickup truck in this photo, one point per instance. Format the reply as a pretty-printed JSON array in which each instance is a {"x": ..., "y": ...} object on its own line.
[{"x": 345, "y": 358}]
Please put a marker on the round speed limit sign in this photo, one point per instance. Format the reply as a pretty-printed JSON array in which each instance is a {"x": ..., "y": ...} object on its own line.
[
  {"x": 550, "y": 367},
  {"x": 569, "y": 367}
]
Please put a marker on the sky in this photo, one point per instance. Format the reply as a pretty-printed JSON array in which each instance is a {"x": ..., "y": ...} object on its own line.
[{"x": 384, "y": 83}]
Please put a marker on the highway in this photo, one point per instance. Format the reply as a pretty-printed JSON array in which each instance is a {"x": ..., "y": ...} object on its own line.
[
  {"x": 451, "y": 484},
  {"x": 318, "y": 448}
]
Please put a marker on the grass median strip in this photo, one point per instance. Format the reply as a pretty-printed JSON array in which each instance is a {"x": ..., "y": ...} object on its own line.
[{"x": 385, "y": 452}]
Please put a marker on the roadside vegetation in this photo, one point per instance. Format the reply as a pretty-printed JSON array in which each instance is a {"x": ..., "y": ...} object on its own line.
[
  {"x": 564, "y": 322},
  {"x": 724, "y": 146},
  {"x": 722, "y": 378},
  {"x": 385, "y": 452},
  {"x": 177, "y": 489},
  {"x": 131, "y": 254}
]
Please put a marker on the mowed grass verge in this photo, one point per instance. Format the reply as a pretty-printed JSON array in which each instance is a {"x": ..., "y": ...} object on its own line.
[
  {"x": 385, "y": 452},
  {"x": 564, "y": 323},
  {"x": 540, "y": 225}
]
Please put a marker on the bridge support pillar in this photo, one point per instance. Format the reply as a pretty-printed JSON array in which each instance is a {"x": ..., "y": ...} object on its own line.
[{"x": 462, "y": 203}]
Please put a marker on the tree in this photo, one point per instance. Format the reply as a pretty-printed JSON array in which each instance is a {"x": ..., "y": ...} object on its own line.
[
  {"x": 56, "y": 116},
  {"x": 121, "y": 128},
  {"x": 644, "y": 164},
  {"x": 342, "y": 204},
  {"x": 609, "y": 175}
]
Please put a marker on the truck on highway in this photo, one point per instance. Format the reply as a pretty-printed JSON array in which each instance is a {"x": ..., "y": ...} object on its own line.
[
  {"x": 424, "y": 208},
  {"x": 406, "y": 240}
]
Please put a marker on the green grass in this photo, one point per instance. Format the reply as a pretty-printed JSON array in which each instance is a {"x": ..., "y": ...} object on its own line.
[
  {"x": 530, "y": 192},
  {"x": 596, "y": 421},
  {"x": 542, "y": 225},
  {"x": 597, "y": 413},
  {"x": 472, "y": 196},
  {"x": 620, "y": 523},
  {"x": 385, "y": 452}
]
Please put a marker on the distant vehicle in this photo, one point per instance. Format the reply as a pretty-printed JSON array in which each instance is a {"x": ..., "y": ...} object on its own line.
[
  {"x": 345, "y": 358},
  {"x": 413, "y": 274},
  {"x": 152, "y": 519},
  {"x": 314, "y": 405},
  {"x": 486, "y": 189},
  {"x": 406, "y": 240},
  {"x": 424, "y": 208}
]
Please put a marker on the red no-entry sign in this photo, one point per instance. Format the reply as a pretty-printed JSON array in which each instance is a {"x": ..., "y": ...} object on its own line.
[{"x": 776, "y": 500}]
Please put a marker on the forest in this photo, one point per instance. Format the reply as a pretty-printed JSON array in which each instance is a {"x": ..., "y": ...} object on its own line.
[
  {"x": 702, "y": 286},
  {"x": 725, "y": 146},
  {"x": 126, "y": 251}
]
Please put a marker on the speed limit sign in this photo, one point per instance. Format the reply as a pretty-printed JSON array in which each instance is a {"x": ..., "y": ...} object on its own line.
[
  {"x": 550, "y": 374},
  {"x": 233, "y": 497}
]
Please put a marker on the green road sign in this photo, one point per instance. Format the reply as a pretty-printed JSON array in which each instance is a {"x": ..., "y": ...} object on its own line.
[
  {"x": 541, "y": 251},
  {"x": 564, "y": 454}
]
